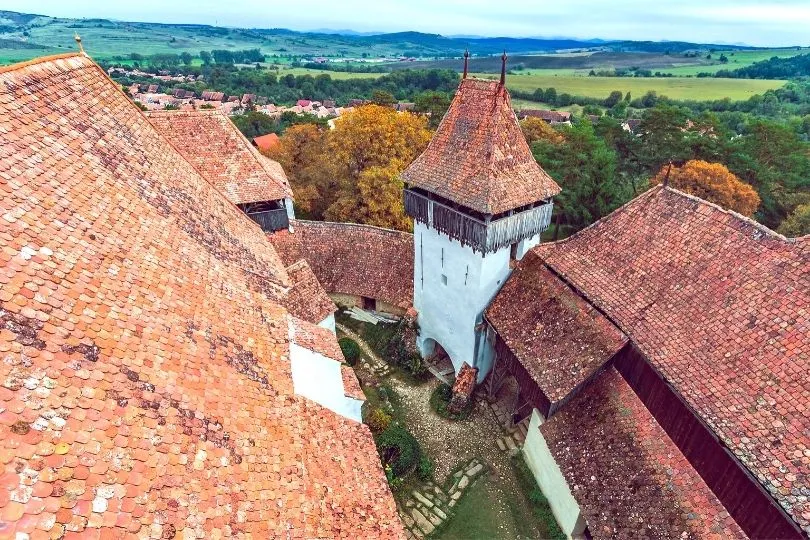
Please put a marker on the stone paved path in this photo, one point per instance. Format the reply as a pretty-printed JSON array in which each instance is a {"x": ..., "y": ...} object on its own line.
[
  {"x": 375, "y": 363},
  {"x": 429, "y": 506}
]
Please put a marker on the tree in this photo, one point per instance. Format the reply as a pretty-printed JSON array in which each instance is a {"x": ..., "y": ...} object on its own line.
[
  {"x": 435, "y": 105},
  {"x": 185, "y": 57},
  {"x": 382, "y": 98},
  {"x": 252, "y": 124},
  {"x": 368, "y": 149},
  {"x": 302, "y": 153},
  {"x": 205, "y": 56},
  {"x": 535, "y": 129},
  {"x": 585, "y": 168},
  {"x": 713, "y": 182},
  {"x": 798, "y": 223},
  {"x": 663, "y": 130},
  {"x": 613, "y": 99}
]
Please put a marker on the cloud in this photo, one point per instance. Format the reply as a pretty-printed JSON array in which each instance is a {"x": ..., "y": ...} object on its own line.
[{"x": 750, "y": 21}]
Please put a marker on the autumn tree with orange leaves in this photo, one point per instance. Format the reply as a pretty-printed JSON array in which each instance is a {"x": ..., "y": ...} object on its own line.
[
  {"x": 713, "y": 182},
  {"x": 352, "y": 173}
]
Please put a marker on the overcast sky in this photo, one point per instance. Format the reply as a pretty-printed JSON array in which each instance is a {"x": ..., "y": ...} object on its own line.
[{"x": 785, "y": 22}]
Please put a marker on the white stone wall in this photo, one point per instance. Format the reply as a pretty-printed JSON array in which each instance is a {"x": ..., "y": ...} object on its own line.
[
  {"x": 452, "y": 287},
  {"x": 318, "y": 378},
  {"x": 328, "y": 322},
  {"x": 551, "y": 480}
]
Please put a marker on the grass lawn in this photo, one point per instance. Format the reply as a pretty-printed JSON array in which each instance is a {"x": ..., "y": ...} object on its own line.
[
  {"x": 338, "y": 75},
  {"x": 674, "y": 87},
  {"x": 736, "y": 60}
]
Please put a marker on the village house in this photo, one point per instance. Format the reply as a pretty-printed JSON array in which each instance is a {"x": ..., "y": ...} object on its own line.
[
  {"x": 551, "y": 117},
  {"x": 266, "y": 142},
  {"x": 155, "y": 381}
]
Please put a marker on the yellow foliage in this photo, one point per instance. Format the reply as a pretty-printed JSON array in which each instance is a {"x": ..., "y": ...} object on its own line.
[
  {"x": 300, "y": 152},
  {"x": 369, "y": 149},
  {"x": 535, "y": 129},
  {"x": 352, "y": 173},
  {"x": 713, "y": 182}
]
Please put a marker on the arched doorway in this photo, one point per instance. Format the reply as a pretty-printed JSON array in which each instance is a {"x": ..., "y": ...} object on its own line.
[{"x": 438, "y": 360}]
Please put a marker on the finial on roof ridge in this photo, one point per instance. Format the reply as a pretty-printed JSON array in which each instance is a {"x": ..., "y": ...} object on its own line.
[
  {"x": 466, "y": 60},
  {"x": 666, "y": 178},
  {"x": 78, "y": 39},
  {"x": 503, "y": 68}
]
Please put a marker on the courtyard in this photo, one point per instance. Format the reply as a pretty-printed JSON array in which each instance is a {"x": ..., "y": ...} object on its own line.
[{"x": 479, "y": 486}]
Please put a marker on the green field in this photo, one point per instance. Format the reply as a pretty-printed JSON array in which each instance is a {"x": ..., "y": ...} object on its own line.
[{"x": 674, "y": 87}]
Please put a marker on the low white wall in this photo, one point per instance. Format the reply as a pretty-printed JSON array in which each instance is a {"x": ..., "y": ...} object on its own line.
[
  {"x": 328, "y": 322},
  {"x": 551, "y": 480},
  {"x": 318, "y": 378}
]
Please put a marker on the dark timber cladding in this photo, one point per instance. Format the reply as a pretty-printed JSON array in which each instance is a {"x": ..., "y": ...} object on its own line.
[
  {"x": 269, "y": 215},
  {"x": 749, "y": 504},
  {"x": 482, "y": 232}
]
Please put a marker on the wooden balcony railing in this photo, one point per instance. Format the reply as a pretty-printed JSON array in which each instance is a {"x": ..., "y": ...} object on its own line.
[
  {"x": 486, "y": 235},
  {"x": 271, "y": 220}
]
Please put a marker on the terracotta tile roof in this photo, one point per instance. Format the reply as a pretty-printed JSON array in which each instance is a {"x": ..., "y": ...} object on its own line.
[
  {"x": 353, "y": 259},
  {"x": 266, "y": 142},
  {"x": 145, "y": 386},
  {"x": 306, "y": 298},
  {"x": 478, "y": 156},
  {"x": 222, "y": 155},
  {"x": 351, "y": 384},
  {"x": 627, "y": 475},
  {"x": 316, "y": 338},
  {"x": 558, "y": 337},
  {"x": 720, "y": 306}
]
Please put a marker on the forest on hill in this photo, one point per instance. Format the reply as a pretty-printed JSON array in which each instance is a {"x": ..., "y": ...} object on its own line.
[{"x": 773, "y": 68}]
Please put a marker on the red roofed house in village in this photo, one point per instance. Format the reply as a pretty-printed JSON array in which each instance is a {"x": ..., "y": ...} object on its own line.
[
  {"x": 152, "y": 382},
  {"x": 266, "y": 142},
  {"x": 224, "y": 157},
  {"x": 551, "y": 117}
]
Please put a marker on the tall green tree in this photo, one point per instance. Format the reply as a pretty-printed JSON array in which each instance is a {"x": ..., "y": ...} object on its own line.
[{"x": 585, "y": 168}]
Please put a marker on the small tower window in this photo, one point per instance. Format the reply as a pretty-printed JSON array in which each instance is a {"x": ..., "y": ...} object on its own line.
[{"x": 444, "y": 279}]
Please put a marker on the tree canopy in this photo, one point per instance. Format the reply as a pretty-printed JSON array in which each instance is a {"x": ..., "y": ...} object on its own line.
[{"x": 712, "y": 182}]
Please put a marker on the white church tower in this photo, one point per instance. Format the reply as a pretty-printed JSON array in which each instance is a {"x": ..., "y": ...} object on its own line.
[{"x": 479, "y": 200}]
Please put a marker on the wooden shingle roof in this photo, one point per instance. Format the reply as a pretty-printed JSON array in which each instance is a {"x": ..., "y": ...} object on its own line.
[
  {"x": 222, "y": 155},
  {"x": 478, "y": 157},
  {"x": 720, "y": 306},
  {"x": 145, "y": 381}
]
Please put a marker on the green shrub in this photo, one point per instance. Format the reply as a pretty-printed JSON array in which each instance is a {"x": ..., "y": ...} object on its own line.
[
  {"x": 425, "y": 468},
  {"x": 398, "y": 449},
  {"x": 378, "y": 420},
  {"x": 351, "y": 350},
  {"x": 440, "y": 399}
]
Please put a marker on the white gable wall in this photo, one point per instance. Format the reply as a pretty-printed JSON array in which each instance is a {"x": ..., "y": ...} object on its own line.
[{"x": 318, "y": 378}]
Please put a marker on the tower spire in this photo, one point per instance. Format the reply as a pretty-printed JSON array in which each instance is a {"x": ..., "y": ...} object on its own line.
[
  {"x": 503, "y": 69},
  {"x": 466, "y": 61},
  {"x": 78, "y": 39}
]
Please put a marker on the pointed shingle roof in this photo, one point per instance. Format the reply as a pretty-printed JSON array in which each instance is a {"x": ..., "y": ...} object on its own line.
[{"x": 478, "y": 157}]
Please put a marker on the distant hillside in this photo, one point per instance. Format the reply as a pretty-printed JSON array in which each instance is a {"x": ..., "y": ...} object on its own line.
[
  {"x": 774, "y": 68},
  {"x": 595, "y": 60},
  {"x": 107, "y": 38}
]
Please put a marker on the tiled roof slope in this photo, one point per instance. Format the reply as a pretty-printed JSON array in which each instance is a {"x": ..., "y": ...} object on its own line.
[
  {"x": 306, "y": 298},
  {"x": 316, "y": 338},
  {"x": 558, "y": 337},
  {"x": 222, "y": 155},
  {"x": 353, "y": 259},
  {"x": 627, "y": 475},
  {"x": 145, "y": 381},
  {"x": 478, "y": 156},
  {"x": 721, "y": 307}
]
